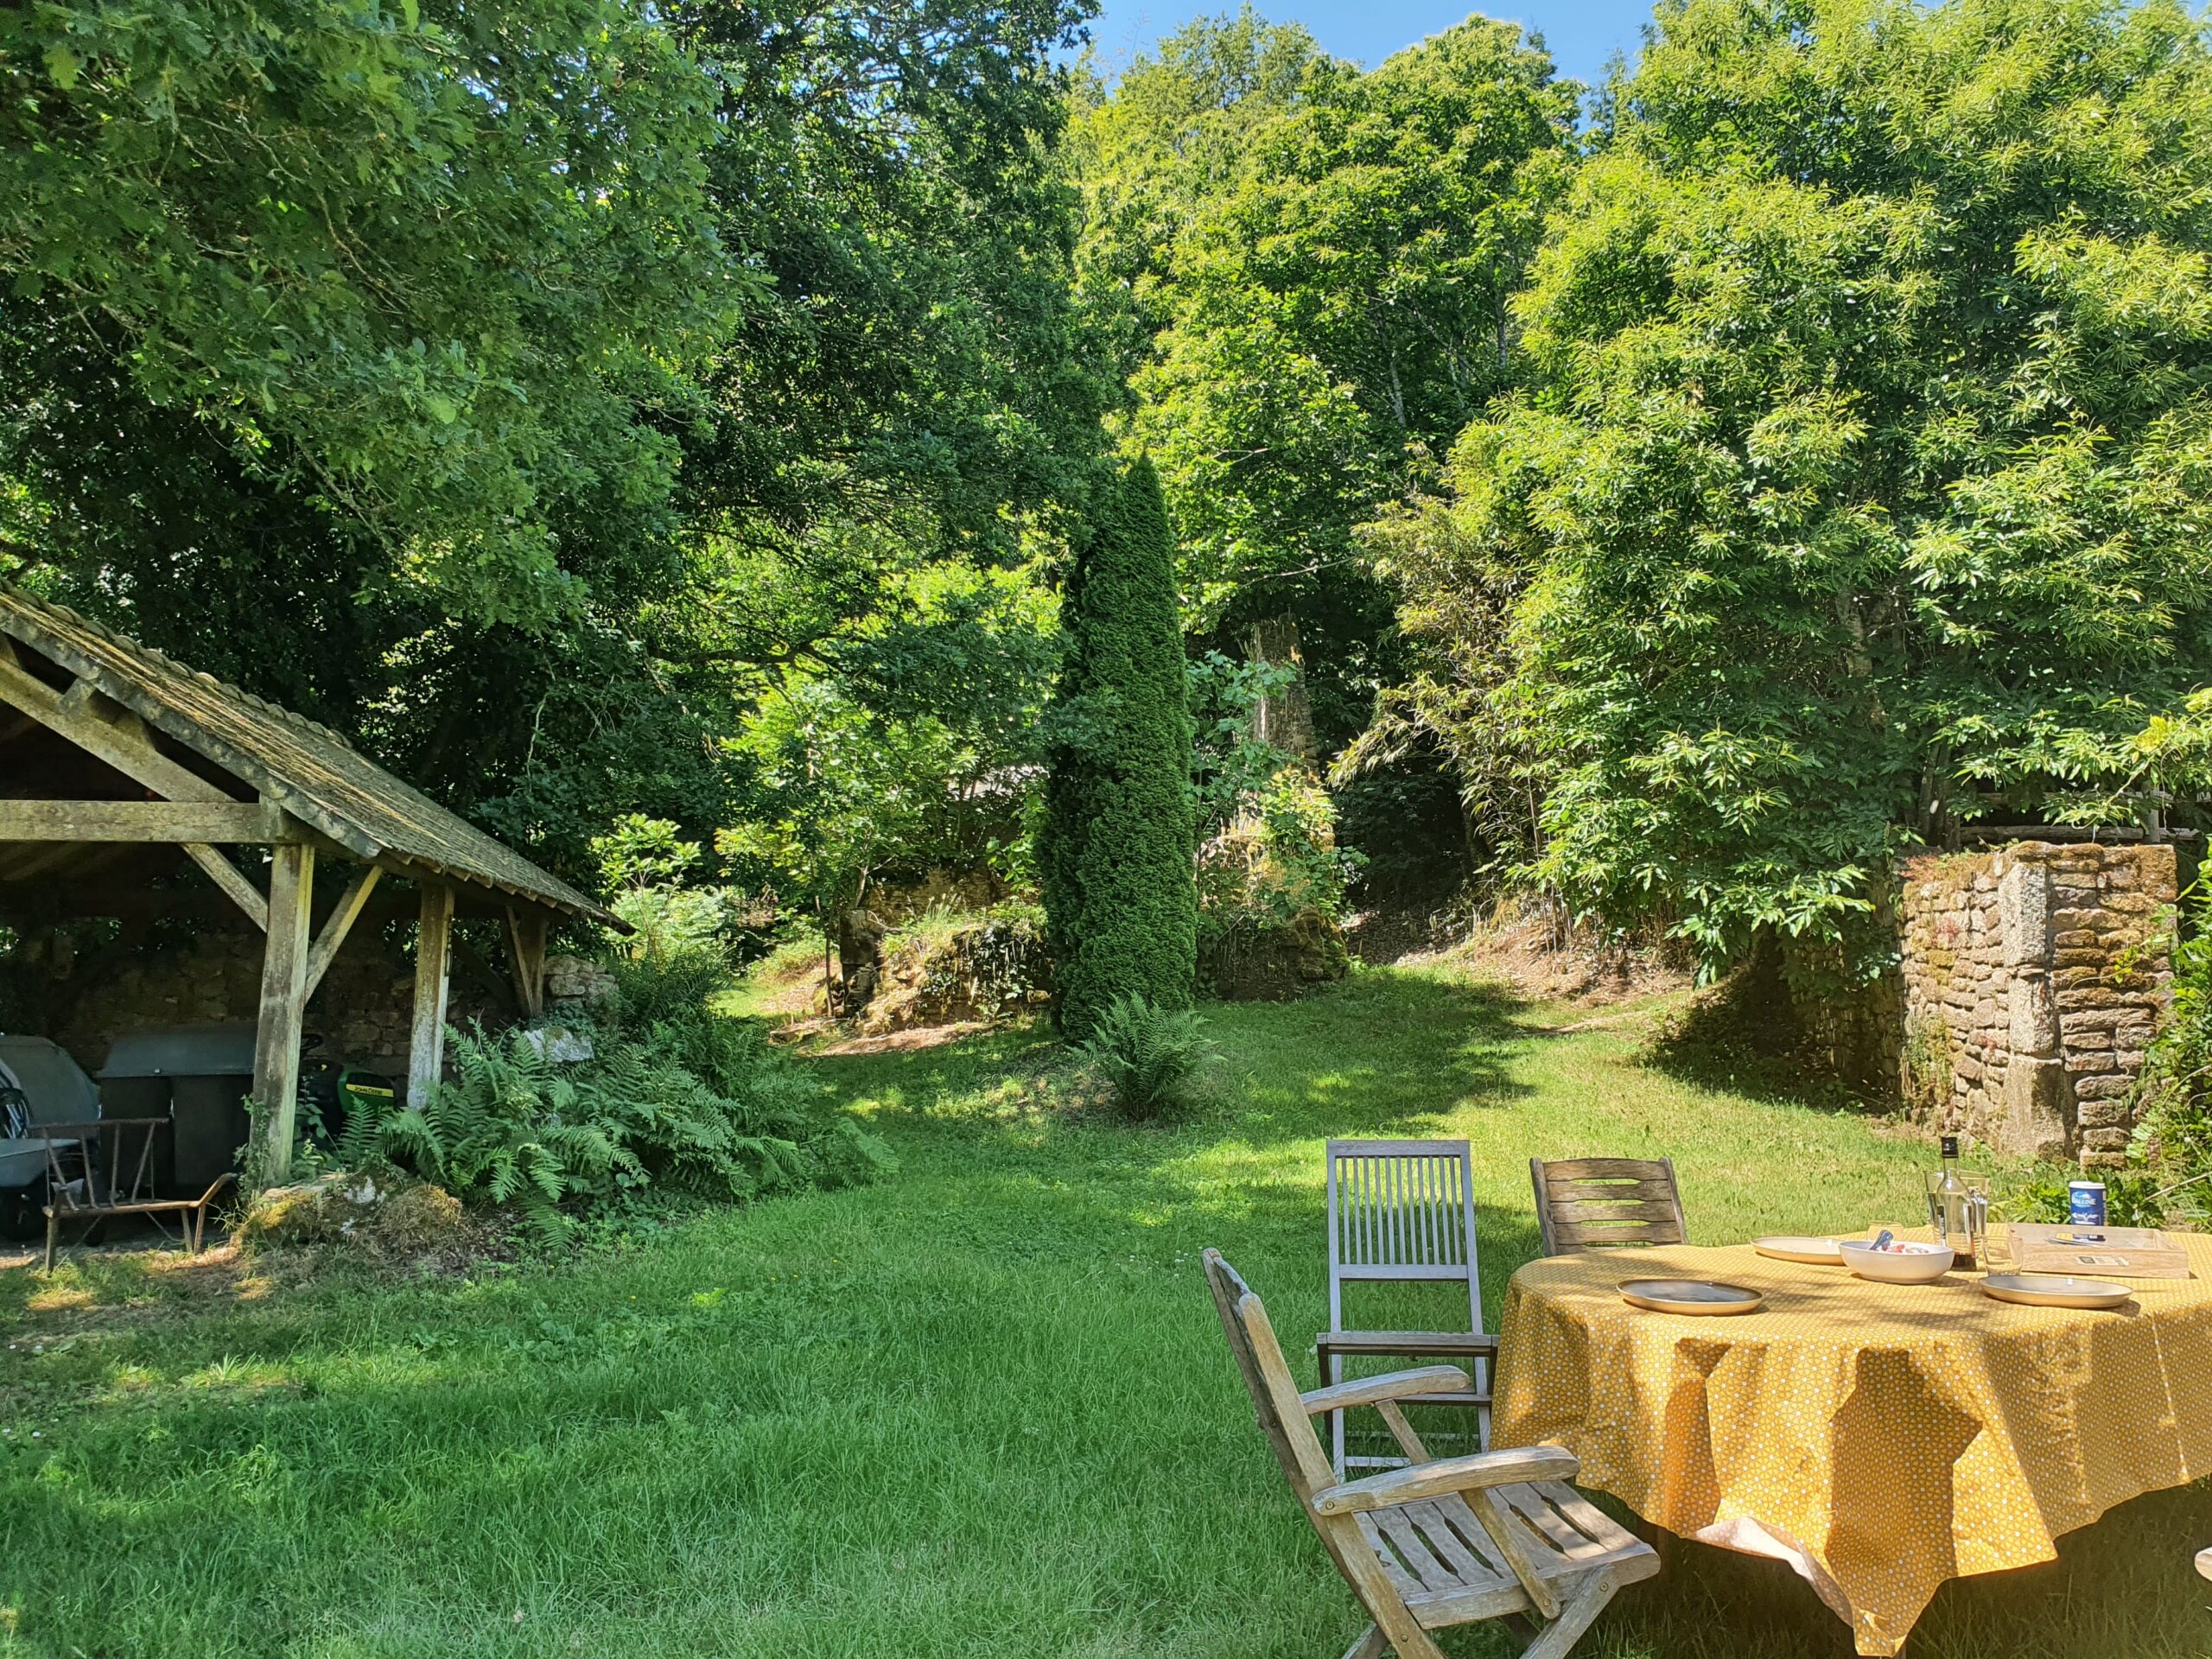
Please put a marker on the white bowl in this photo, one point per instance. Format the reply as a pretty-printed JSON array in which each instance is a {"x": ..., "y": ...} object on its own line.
[{"x": 1912, "y": 1264}]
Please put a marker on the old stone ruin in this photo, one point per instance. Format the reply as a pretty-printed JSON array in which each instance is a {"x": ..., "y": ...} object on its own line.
[{"x": 2035, "y": 976}]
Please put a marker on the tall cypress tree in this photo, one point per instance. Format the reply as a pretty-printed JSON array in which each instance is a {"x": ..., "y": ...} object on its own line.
[{"x": 1115, "y": 851}]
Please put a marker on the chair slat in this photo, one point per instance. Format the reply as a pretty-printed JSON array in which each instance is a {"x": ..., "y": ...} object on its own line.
[
  {"x": 1408, "y": 1587},
  {"x": 1529, "y": 1504},
  {"x": 1612, "y": 1211},
  {"x": 1459, "y": 1537},
  {"x": 1397, "y": 1526},
  {"x": 1599, "y": 1169}
]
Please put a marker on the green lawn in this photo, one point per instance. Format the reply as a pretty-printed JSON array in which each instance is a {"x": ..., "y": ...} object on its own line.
[{"x": 983, "y": 1410}]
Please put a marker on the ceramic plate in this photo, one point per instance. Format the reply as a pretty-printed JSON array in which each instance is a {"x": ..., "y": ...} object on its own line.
[
  {"x": 2049, "y": 1290},
  {"x": 1820, "y": 1252},
  {"x": 1696, "y": 1296}
]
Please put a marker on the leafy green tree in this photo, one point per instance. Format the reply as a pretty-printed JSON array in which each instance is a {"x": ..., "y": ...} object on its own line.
[
  {"x": 914, "y": 744},
  {"x": 432, "y": 268},
  {"x": 593, "y": 372},
  {"x": 1115, "y": 848},
  {"x": 1859, "y": 490},
  {"x": 1318, "y": 262}
]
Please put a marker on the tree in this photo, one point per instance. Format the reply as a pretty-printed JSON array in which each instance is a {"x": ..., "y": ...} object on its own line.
[
  {"x": 429, "y": 270},
  {"x": 1115, "y": 848},
  {"x": 1859, "y": 489},
  {"x": 591, "y": 377},
  {"x": 1317, "y": 262}
]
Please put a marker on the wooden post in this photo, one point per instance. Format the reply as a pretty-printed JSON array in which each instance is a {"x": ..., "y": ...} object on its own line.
[
  {"x": 426, "y": 1049},
  {"x": 283, "y": 1000},
  {"x": 526, "y": 931}
]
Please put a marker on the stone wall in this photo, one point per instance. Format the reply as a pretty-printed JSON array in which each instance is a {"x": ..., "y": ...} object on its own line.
[
  {"x": 2035, "y": 976},
  {"x": 364, "y": 1009}
]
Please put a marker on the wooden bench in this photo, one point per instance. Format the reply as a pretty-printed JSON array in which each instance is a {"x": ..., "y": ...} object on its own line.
[{"x": 90, "y": 1198}]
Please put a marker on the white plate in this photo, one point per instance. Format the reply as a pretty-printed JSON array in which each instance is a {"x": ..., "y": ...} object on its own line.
[
  {"x": 1693, "y": 1296},
  {"x": 1819, "y": 1252},
  {"x": 2050, "y": 1290}
]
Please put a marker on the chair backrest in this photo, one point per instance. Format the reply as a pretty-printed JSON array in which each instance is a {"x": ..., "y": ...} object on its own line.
[
  {"x": 1401, "y": 1211},
  {"x": 1267, "y": 1377},
  {"x": 1289, "y": 1430},
  {"x": 1604, "y": 1204},
  {"x": 127, "y": 1179}
]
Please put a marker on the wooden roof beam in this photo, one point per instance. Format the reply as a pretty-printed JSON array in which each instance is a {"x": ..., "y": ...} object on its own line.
[{"x": 178, "y": 822}]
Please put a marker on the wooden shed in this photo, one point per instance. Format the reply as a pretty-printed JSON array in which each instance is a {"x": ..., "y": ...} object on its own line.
[{"x": 118, "y": 765}]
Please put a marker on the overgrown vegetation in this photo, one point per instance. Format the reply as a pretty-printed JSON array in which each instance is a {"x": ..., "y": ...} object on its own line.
[
  {"x": 658, "y": 1093},
  {"x": 2173, "y": 1134}
]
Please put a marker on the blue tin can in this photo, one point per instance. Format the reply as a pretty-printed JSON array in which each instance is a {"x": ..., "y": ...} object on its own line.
[{"x": 2085, "y": 1203}]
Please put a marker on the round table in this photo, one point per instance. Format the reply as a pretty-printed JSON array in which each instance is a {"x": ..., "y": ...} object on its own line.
[{"x": 1879, "y": 1437}]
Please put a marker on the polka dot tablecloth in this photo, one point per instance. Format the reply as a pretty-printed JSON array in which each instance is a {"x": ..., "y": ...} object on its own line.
[{"x": 1880, "y": 1438}]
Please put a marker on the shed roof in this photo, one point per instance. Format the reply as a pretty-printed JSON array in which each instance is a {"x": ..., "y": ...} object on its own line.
[{"x": 308, "y": 769}]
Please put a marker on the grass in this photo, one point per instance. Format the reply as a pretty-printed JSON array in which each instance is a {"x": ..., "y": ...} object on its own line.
[{"x": 981, "y": 1411}]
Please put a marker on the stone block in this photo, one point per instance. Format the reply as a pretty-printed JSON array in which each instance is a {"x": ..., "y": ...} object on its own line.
[
  {"x": 2078, "y": 993},
  {"x": 2075, "y": 939},
  {"x": 2038, "y": 1110},
  {"x": 2108, "y": 1085},
  {"x": 2104, "y": 1141},
  {"x": 2106, "y": 1112},
  {"x": 2024, "y": 914}
]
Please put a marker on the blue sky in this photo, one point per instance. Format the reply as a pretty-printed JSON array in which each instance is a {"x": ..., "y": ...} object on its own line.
[{"x": 1582, "y": 33}]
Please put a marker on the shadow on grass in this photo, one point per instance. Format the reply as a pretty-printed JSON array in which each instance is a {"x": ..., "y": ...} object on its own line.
[{"x": 1388, "y": 1052}]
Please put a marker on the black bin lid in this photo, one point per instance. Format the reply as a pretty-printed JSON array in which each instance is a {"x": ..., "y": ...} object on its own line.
[{"x": 221, "y": 1051}]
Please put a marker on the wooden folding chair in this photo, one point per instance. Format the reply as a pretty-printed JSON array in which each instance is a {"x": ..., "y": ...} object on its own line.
[
  {"x": 1404, "y": 1212},
  {"x": 1604, "y": 1204},
  {"x": 1438, "y": 1542},
  {"x": 91, "y": 1195}
]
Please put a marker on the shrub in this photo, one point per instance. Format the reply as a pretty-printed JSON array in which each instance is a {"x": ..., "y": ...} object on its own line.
[
  {"x": 676, "y": 1098},
  {"x": 2132, "y": 1197},
  {"x": 1149, "y": 1057},
  {"x": 2174, "y": 1095},
  {"x": 1116, "y": 842}
]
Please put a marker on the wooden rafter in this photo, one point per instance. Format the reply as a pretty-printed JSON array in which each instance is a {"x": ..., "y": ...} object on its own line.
[
  {"x": 332, "y": 939},
  {"x": 104, "y": 730},
  {"x": 224, "y": 874}
]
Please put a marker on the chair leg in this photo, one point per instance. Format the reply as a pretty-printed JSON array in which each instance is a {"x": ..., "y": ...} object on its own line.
[
  {"x": 1575, "y": 1618},
  {"x": 1372, "y": 1645},
  {"x": 53, "y": 1232}
]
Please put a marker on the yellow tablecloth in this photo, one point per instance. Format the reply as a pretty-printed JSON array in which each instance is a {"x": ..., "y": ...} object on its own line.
[{"x": 1880, "y": 1438}]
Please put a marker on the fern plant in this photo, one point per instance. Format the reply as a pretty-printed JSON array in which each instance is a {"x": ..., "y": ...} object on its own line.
[{"x": 1150, "y": 1058}]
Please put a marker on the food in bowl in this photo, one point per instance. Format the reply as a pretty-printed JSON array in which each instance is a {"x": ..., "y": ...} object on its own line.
[{"x": 1897, "y": 1262}]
